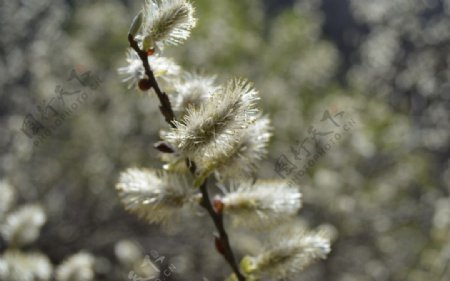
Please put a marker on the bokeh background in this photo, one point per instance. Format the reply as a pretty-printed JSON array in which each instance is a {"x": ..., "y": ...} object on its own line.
[{"x": 384, "y": 187}]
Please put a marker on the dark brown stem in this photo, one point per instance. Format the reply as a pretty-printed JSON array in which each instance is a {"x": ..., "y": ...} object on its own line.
[
  {"x": 166, "y": 110},
  {"x": 165, "y": 107},
  {"x": 217, "y": 218},
  {"x": 3, "y": 245}
]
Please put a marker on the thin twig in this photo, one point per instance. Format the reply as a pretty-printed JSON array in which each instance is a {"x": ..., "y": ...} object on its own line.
[
  {"x": 165, "y": 107},
  {"x": 217, "y": 217},
  {"x": 3, "y": 245},
  {"x": 166, "y": 110}
]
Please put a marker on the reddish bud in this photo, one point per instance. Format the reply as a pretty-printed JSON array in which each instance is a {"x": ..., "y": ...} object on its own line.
[
  {"x": 218, "y": 206},
  {"x": 144, "y": 84},
  {"x": 219, "y": 245},
  {"x": 150, "y": 52}
]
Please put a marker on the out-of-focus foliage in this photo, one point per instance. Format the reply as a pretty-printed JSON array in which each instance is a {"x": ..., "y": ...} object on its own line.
[{"x": 384, "y": 186}]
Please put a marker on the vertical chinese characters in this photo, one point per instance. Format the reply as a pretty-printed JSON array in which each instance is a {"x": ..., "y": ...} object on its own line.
[{"x": 321, "y": 138}]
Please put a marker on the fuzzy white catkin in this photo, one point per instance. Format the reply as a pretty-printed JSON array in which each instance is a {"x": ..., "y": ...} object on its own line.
[
  {"x": 218, "y": 123},
  {"x": 23, "y": 226},
  {"x": 167, "y": 22},
  {"x": 242, "y": 159},
  {"x": 231, "y": 156},
  {"x": 157, "y": 197},
  {"x": 7, "y": 197},
  {"x": 192, "y": 91},
  {"x": 262, "y": 204},
  {"x": 78, "y": 267},
  {"x": 163, "y": 68},
  {"x": 288, "y": 255},
  {"x": 18, "y": 266},
  {"x": 134, "y": 71}
]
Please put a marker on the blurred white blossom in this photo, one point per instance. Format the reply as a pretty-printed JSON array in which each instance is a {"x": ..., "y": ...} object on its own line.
[
  {"x": 19, "y": 266},
  {"x": 78, "y": 267},
  {"x": 23, "y": 226},
  {"x": 127, "y": 252},
  {"x": 7, "y": 197}
]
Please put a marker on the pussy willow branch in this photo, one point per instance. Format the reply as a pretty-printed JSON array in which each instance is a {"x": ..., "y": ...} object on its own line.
[{"x": 166, "y": 110}]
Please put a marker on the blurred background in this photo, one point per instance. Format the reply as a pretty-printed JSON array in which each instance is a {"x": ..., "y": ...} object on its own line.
[{"x": 384, "y": 185}]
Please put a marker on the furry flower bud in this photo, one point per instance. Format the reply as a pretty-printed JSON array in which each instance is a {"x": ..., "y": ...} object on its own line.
[
  {"x": 162, "y": 67},
  {"x": 193, "y": 91},
  {"x": 290, "y": 254},
  {"x": 168, "y": 21},
  {"x": 241, "y": 159},
  {"x": 157, "y": 197},
  {"x": 136, "y": 24},
  {"x": 214, "y": 124},
  {"x": 217, "y": 124},
  {"x": 262, "y": 204}
]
